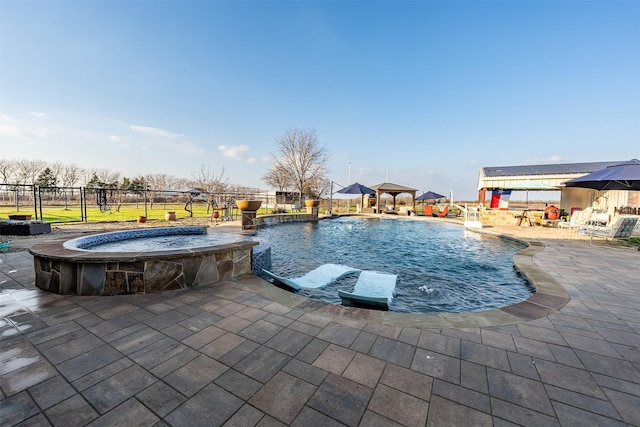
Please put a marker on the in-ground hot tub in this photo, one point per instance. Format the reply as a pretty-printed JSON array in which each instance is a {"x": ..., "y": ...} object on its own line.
[{"x": 72, "y": 267}]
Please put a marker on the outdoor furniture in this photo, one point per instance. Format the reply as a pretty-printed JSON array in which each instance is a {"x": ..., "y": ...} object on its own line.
[
  {"x": 523, "y": 217},
  {"x": 317, "y": 278},
  {"x": 372, "y": 290},
  {"x": 443, "y": 212},
  {"x": 575, "y": 222},
  {"x": 24, "y": 228},
  {"x": 621, "y": 229}
]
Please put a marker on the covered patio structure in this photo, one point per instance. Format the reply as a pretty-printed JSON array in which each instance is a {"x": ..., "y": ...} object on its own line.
[{"x": 394, "y": 190}]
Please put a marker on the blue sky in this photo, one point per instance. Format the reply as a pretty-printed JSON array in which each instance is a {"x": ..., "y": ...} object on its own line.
[{"x": 421, "y": 94}]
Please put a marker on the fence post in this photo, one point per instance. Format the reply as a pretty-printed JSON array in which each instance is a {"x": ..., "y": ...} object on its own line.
[
  {"x": 40, "y": 203},
  {"x": 83, "y": 204},
  {"x": 35, "y": 200}
]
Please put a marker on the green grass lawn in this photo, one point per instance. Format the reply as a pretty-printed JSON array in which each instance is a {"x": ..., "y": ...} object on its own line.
[{"x": 58, "y": 214}]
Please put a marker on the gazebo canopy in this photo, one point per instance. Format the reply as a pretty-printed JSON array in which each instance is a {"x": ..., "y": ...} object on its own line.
[{"x": 394, "y": 190}]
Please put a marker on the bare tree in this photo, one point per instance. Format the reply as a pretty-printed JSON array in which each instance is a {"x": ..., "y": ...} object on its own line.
[
  {"x": 302, "y": 159},
  {"x": 158, "y": 182},
  {"x": 70, "y": 175},
  {"x": 56, "y": 170},
  {"x": 28, "y": 170},
  {"x": 7, "y": 168},
  {"x": 318, "y": 186},
  {"x": 108, "y": 178},
  {"x": 278, "y": 178},
  {"x": 209, "y": 182}
]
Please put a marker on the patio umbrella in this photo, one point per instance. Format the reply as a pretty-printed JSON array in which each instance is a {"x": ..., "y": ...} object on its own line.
[
  {"x": 430, "y": 195},
  {"x": 529, "y": 184},
  {"x": 623, "y": 176},
  {"x": 357, "y": 188}
]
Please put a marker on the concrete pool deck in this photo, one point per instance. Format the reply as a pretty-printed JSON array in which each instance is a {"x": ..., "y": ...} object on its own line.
[{"x": 246, "y": 353}]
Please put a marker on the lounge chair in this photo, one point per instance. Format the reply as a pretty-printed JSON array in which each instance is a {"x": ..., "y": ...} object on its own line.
[
  {"x": 621, "y": 229},
  {"x": 576, "y": 221},
  {"x": 444, "y": 212},
  {"x": 372, "y": 290},
  {"x": 317, "y": 278}
]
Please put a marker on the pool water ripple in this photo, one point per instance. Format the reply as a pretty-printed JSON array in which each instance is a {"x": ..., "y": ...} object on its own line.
[{"x": 441, "y": 267}]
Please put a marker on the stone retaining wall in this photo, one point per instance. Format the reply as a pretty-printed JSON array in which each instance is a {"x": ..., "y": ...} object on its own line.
[{"x": 70, "y": 271}]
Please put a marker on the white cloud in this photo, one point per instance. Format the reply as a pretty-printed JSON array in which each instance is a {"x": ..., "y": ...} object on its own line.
[
  {"x": 251, "y": 160},
  {"x": 155, "y": 132},
  {"x": 10, "y": 131},
  {"x": 188, "y": 147},
  {"x": 236, "y": 152},
  {"x": 266, "y": 159},
  {"x": 114, "y": 138},
  {"x": 38, "y": 115},
  {"x": 19, "y": 132},
  {"x": 21, "y": 128}
]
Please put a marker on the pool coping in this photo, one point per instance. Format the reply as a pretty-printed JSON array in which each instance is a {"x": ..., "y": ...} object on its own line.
[{"x": 550, "y": 297}]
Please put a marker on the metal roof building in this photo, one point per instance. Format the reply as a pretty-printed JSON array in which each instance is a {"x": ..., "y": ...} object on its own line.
[
  {"x": 491, "y": 178},
  {"x": 504, "y": 177}
]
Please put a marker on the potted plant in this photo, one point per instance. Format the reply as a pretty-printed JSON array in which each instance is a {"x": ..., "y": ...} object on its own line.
[
  {"x": 248, "y": 205},
  {"x": 142, "y": 219},
  {"x": 313, "y": 189}
]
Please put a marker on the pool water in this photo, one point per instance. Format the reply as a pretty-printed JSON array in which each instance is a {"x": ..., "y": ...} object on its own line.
[
  {"x": 168, "y": 242},
  {"x": 441, "y": 267}
]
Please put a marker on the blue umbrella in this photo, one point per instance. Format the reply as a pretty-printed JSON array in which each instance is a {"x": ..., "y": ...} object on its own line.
[
  {"x": 356, "y": 189},
  {"x": 623, "y": 176},
  {"x": 430, "y": 195}
]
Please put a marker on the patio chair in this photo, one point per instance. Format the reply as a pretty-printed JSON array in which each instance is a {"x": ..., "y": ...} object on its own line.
[
  {"x": 576, "y": 221},
  {"x": 621, "y": 229},
  {"x": 444, "y": 212},
  {"x": 372, "y": 290},
  {"x": 317, "y": 278}
]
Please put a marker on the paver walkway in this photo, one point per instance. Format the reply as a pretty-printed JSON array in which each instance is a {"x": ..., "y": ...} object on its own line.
[{"x": 238, "y": 354}]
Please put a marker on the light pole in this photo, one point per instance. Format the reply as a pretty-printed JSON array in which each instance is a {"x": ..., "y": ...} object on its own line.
[{"x": 349, "y": 183}]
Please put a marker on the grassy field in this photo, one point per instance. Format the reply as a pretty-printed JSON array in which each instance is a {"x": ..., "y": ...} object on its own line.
[{"x": 58, "y": 214}]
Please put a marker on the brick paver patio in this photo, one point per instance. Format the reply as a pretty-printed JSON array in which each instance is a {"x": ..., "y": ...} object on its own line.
[{"x": 244, "y": 353}]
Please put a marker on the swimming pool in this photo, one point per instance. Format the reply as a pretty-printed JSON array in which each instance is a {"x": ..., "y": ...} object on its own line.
[{"x": 441, "y": 267}]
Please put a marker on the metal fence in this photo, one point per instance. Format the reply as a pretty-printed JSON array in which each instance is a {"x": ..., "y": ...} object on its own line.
[{"x": 77, "y": 204}]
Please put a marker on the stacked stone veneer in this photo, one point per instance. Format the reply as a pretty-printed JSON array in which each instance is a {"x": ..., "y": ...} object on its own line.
[
  {"x": 499, "y": 217},
  {"x": 67, "y": 269},
  {"x": 274, "y": 219}
]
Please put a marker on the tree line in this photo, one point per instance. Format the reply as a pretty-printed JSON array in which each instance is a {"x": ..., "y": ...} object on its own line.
[
  {"x": 59, "y": 174},
  {"x": 299, "y": 164}
]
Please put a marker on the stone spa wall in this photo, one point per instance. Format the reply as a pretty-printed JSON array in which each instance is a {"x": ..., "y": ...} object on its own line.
[{"x": 72, "y": 271}]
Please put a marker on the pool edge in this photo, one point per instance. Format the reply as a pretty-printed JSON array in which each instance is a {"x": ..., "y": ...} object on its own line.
[{"x": 549, "y": 297}]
